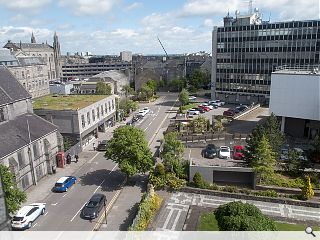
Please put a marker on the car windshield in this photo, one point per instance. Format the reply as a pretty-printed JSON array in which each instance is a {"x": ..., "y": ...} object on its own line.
[
  {"x": 92, "y": 204},
  {"x": 224, "y": 150},
  {"x": 59, "y": 184},
  {"x": 238, "y": 150},
  {"x": 18, "y": 219}
]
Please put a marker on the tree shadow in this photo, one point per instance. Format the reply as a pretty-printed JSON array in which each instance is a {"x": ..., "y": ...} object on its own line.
[
  {"x": 132, "y": 212},
  {"x": 112, "y": 179},
  {"x": 168, "y": 103}
]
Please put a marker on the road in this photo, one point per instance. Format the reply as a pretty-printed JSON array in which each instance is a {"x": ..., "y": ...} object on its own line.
[{"x": 99, "y": 175}]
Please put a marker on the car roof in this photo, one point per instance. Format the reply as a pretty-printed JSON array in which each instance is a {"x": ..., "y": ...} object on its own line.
[
  {"x": 238, "y": 147},
  {"x": 224, "y": 147},
  {"x": 61, "y": 180},
  {"x": 23, "y": 211},
  {"x": 103, "y": 142},
  {"x": 96, "y": 196}
]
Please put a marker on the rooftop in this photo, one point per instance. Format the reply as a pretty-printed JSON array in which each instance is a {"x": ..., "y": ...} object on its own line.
[{"x": 66, "y": 102}]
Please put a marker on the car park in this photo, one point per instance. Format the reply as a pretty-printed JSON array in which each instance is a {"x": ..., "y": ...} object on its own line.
[
  {"x": 26, "y": 216},
  {"x": 193, "y": 112},
  {"x": 64, "y": 183},
  {"x": 102, "y": 146},
  {"x": 218, "y": 102},
  {"x": 207, "y": 105},
  {"x": 224, "y": 152},
  {"x": 229, "y": 113},
  {"x": 240, "y": 108},
  {"x": 238, "y": 152},
  {"x": 210, "y": 151},
  {"x": 204, "y": 108},
  {"x": 93, "y": 207},
  {"x": 214, "y": 105},
  {"x": 199, "y": 109},
  {"x": 284, "y": 155}
]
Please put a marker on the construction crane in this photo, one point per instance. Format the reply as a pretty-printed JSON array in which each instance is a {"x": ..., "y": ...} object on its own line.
[{"x": 163, "y": 47}]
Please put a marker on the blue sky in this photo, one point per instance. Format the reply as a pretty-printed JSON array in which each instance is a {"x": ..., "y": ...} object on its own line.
[{"x": 111, "y": 26}]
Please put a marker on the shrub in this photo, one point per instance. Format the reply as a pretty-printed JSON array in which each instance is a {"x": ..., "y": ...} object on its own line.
[
  {"x": 267, "y": 193},
  {"x": 160, "y": 170},
  {"x": 238, "y": 216},
  {"x": 231, "y": 189},
  {"x": 307, "y": 191},
  {"x": 198, "y": 180},
  {"x": 174, "y": 182}
]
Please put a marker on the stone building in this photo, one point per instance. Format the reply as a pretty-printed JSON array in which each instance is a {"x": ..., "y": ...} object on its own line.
[{"x": 29, "y": 144}]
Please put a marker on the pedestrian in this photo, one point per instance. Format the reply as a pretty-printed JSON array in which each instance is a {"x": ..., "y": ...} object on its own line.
[
  {"x": 68, "y": 158},
  {"x": 76, "y": 157}
]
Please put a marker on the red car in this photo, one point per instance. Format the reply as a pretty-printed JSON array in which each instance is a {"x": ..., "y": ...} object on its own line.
[
  {"x": 229, "y": 113},
  {"x": 204, "y": 108},
  {"x": 238, "y": 152}
]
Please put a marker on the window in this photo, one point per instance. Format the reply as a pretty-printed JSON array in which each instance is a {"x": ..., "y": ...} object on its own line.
[
  {"x": 98, "y": 113},
  {"x": 83, "y": 122},
  {"x": 88, "y": 118},
  {"x": 112, "y": 104},
  {"x": 93, "y": 115},
  {"x": 21, "y": 159},
  {"x": 106, "y": 108},
  {"x": 109, "y": 106},
  {"x": 35, "y": 151},
  {"x": 101, "y": 110},
  {"x": 2, "y": 118},
  {"x": 25, "y": 182}
]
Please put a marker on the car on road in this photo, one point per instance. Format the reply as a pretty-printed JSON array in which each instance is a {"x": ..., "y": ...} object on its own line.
[
  {"x": 102, "y": 146},
  {"x": 224, "y": 152},
  {"x": 204, "y": 108},
  {"x": 142, "y": 113},
  {"x": 214, "y": 105},
  {"x": 238, "y": 152},
  {"x": 192, "y": 98},
  {"x": 229, "y": 113},
  {"x": 210, "y": 151},
  {"x": 146, "y": 109},
  {"x": 27, "y": 215},
  {"x": 93, "y": 207},
  {"x": 64, "y": 183}
]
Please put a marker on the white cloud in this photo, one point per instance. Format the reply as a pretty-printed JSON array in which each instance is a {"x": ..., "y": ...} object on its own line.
[
  {"x": 208, "y": 23},
  {"x": 23, "y": 4},
  {"x": 133, "y": 6},
  {"x": 88, "y": 7}
]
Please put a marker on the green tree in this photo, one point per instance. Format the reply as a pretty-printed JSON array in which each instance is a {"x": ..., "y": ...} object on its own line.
[
  {"x": 307, "y": 191},
  {"x": 153, "y": 85},
  {"x": 128, "y": 105},
  {"x": 252, "y": 142},
  {"x": 161, "y": 84},
  {"x": 198, "y": 180},
  {"x": 218, "y": 126},
  {"x": 103, "y": 89},
  {"x": 127, "y": 90},
  {"x": 145, "y": 92},
  {"x": 199, "y": 124},
  {"x": 184, "y": 97},
  {"x": 294, "y": 164},
  {"x": 177, "y": 84},
  {"x": 264, "y": 161},
  {"x": 13, "y": 195},
  {"x": 199, "y": 79},
  {"x": 238, "y": 216},
  {"x": 129, "y": 148}
]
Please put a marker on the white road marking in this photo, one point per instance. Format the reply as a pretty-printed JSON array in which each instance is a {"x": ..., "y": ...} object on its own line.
[
  {"x": 65, "y": 195},
  {"x": 46, "y": 214},
  {"x": 34, "y": 225},
  {"x": 113, "y": 168},
  {"x": 90, "y": 161},
  {"x": 77, "y": 212},
  {"x": 54, "y": 204}
]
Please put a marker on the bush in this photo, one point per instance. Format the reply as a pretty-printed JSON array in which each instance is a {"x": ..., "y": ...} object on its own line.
[
  {"x": 238, "y": 216},
  {"x": 267, "y": 193},
  {"x": 231, "y": 189},
  {"x": 174, "y": 182},
  {"x": 280, "y": 181},
  {"x": 198, "y": 180},
  {"x": 307, "y": 191},
  {"x": 160, "y": 170}
]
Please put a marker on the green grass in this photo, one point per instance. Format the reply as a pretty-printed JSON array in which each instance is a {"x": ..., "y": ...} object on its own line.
[
  {"x": 66, "y": 102},
  {"x": 208, "y": 222}
]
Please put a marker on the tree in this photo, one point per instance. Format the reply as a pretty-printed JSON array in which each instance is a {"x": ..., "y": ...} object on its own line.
[
  {"x": 177, "y": 84},
  {"x": 315, "y": 151},
  {"x": 13, "y": 195},
  {"x": 294, "y": 164},
  {"x": 238, "y": 216},
  {"x": 145, "y": 92},
  {"x": 252, "y": 142},
  {"x": 199, "y": 124},
  {"x": 103, "y": 89},
  {"x": 161, "y": 84},
  {"x": 153, "y": 85},
  {"x": 218, "y": 126},
  {"x": 307, "y": 191},
  {"x": 199, "y": 79},
  {"x": 264, "y": 159},
  {"x": 129, "y": 148},
  {"x": 128, "y": 105},
  {"x": 127, "y": 90},
  {"x": 184, "y": 97}
]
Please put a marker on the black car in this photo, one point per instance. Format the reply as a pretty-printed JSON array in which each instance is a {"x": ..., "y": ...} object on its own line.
[
  {"x": 210, "y": 151},
  {"x": 102, "y": 146},
  {"x": 92, "y": 208},
  {"x": 240, "y": 108}
]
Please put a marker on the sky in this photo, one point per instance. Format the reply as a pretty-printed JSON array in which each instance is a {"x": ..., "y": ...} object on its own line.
[{"x": 110, "y": 26}]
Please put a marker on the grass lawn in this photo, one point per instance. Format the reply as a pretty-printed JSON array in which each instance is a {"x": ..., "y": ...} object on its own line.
[
  {"x": 208, "y": 222},
  {"x": 190, "y": 105},
  {"x": 64, "y": 102}
]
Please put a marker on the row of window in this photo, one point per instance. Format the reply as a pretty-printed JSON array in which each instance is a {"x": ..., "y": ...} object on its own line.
[
  {"x": 264, "y": 58},
  {"x": 271, "y": 49},
  {"x": 293, "y": 24},
  {"x": 96, "y": 66},
  {"x": 269, "y": 38},
  {"x": 97, "y": 113}
]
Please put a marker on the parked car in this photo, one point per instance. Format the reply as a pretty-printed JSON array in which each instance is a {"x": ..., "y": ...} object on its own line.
[
  {"x": 229, "y": 113},
  {"x": 192, "y": 98},
  {"x": 218, "y": 102},
  {"x": 142, "y": 113},
  {"x": 207, "y": 105},
  {"x": 146, "y": 109},
  {"x": 92, "y": 208},
  {"x": 199, "y": 109},
  {"x": 204, "y": 108},
  {"x": 102, "y": 146},
  {"x": 240, "y": 108},
  {"x": 224, "y": 152},
  {"x": 214, "y": 105},
  {"x": 193, "y": 112},
  {"x": 64, "y": 183},
  {"x": 238, "y": 152},
  {"x": 27, "y": 215},
  {"x": 210, "y": 151}
]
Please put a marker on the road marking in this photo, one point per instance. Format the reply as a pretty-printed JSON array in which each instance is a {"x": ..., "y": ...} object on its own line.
[
  {"x": 46, "y": 214},
  {"x": 34, "y": 225},
  {"x": 107, "y": 209},
  {"x": 90, "y": 161},
  {"x": 54, "y": 204},
  {"x": 77, "y": 212},
  {"x": 113, "y": 168},
  {"x": 65, "y": 195}
]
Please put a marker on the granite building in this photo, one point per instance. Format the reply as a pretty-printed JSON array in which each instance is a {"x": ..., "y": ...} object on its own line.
[{"x": 246, "y": 50}]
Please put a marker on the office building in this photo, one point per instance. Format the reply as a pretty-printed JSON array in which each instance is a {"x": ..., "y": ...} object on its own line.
[{"x": 246, "y": 50}]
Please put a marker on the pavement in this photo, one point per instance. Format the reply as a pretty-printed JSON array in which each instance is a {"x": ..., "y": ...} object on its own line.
[{"x": 174, "y": 212}]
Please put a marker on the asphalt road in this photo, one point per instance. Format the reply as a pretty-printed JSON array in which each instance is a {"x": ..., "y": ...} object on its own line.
[{"x": 99, "y": 175}]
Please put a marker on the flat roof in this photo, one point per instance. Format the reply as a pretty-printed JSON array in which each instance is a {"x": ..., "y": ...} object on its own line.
[{"x": 66, "y": 102}]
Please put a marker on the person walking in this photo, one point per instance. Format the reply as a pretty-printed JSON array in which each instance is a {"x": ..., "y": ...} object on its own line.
[
  {"x": 76, "y": 157},
  {"x": 68, "y": 158}
]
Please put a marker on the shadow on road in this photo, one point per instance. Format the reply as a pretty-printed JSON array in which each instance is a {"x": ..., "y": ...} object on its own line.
[
  {"x": 168, "y": 103},
  {"x": 113, "y": 180},
  {"x": 132, "y": 212}
]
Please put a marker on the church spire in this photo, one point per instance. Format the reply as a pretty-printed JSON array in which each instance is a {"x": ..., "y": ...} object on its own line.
[{"x": 33, "y": 39}]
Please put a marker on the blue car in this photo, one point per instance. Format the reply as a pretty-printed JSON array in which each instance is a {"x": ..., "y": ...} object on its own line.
[{"x": 64, "y": 183}]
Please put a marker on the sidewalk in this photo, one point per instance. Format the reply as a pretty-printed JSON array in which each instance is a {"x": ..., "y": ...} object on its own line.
[{"x": 41, "y": 191}]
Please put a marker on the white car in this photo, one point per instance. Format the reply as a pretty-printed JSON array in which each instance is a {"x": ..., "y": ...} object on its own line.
[
  {"x": 27, "y": 215},
  {"x": 224, "y": 152},
  {"x": 143, "y": 112},
  {"x": 146, "y": 109},
  {"x": 218, "y": 102},
  {"x": 191, "y": 98},
  {"x": 193, "y": 112}
]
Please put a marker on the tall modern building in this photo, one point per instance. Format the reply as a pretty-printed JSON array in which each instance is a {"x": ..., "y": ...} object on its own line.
[{"x": 246, "y": 50}]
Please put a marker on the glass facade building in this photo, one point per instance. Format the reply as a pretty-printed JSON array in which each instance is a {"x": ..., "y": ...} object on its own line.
[{"x": 245, "y": 53}]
